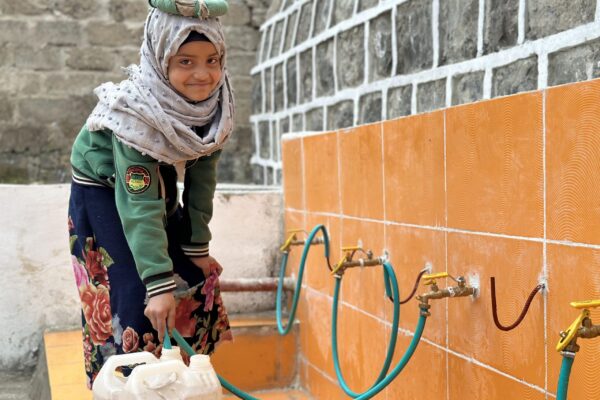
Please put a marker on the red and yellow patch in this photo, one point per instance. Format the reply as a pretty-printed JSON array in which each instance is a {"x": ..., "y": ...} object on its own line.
[{"x": 137, "y": 179}]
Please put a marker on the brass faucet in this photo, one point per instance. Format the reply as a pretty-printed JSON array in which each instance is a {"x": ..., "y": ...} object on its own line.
[
  {"x": 293, "y": 240},
  {"x": 460, "y": 290},
  {"x": 347, "y": 261},
  {"x": 582, "y": 327}
]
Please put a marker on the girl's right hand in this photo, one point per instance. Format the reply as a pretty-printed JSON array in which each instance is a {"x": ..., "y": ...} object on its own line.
[{"x": 161, "y": 309}]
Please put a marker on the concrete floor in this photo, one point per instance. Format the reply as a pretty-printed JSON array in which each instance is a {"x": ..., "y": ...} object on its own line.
[{"x": 14, "y": 385}]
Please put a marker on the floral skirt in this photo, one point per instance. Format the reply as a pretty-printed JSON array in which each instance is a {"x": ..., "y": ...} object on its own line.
[{"x": 113, "y": 297}]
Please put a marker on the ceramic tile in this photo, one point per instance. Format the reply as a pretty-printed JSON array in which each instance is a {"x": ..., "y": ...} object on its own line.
[
  {"x": 315, "y": 328},
  {"x": 424, "y": 377},
  {"x": 321, "y": 166},
  {"x": 362, "y": 346},
  {"x": 573, "y": 162},
  {"x": 323, "y": 387},
  {"x": 517, "y": 266},
  {"x": 470, "y": 381},
  {"x": 293, "y": 179},
  {"x": 362, "y": 171},
  {"x": 414, "y": 169},
  {"x": 494, "y": 166}
]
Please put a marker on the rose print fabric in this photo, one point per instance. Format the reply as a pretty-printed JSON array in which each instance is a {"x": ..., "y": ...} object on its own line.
[{"x": 112, "y": 295}]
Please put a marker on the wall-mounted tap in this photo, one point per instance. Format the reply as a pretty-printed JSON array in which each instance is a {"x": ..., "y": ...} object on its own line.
[
  {"x": 348, "y": 261},
  {"x": 582, "y": 327},
  {"x": 293, "y": 240},
  {"x": 460, "y": 290}
]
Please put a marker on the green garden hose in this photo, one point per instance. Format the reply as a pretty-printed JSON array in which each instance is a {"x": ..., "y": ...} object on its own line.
[
  {"x": 307, "y": 245},
  {"x": 389, "y": 277},
  {"x": 563, "y": 378}
]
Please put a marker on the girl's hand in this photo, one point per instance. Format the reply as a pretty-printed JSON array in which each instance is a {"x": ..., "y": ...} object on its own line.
[
  {"x": 161, "y": 309},
  {"x": 208, "y": 265}
]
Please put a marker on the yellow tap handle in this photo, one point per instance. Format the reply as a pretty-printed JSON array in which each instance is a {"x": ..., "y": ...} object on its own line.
[
  {"x": 338, "y": 266},
  {"x": 585, "y": 304},
  {"x": 569, "y": 334},
  {"x": 429, "y": 279},
  {"x": 351, "y": 248},
  {"x": 286, "y": 245}
]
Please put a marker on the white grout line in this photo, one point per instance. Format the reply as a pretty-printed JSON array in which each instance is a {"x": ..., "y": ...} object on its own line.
[
  {"x": 435, "y": 31},
  {"x": 313, "y": 20},
  {"x": 449, "y": 91},
  {"x": 521, "y": 21},
  {"x": 487, "y": 83},
  {"x": 367, "y": 66},
  {"x": 453, "y": 230},
  {"x": 543, "y": 70},
  {"x": 545, "y": 245},
  {"x": 314, "y": 76},
  {"x": 413, "y": 99},
  {"x": 395, "y": 41},
  {"x": 284, "y": 72},
  {"x": 446, "y": 249},
  {"x": 296, "y": 5},
  {"x": 480, "y": 27}
]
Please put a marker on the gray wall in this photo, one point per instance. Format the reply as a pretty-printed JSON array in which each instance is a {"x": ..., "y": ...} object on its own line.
[
  {"x": 38, "y": 291},
  {"x": 331, "y": 64},
  {"x": 54, "y": 52}
]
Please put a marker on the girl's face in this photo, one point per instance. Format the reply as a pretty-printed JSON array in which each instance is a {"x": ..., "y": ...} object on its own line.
[{"x": 195, "y": 70}]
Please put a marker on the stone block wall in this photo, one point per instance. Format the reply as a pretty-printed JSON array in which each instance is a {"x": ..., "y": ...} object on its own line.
[
  {"x": 54, "y": 52},
  {"x": 331, "y": 64}
]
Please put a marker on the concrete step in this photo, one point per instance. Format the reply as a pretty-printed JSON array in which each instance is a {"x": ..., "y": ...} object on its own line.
[
  {"x": 258, "y": 359},
  {"x": 15, "y": 385}
]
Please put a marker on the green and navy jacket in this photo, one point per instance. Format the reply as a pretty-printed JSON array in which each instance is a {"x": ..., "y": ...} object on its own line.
[{"x": 146, "y": 194}]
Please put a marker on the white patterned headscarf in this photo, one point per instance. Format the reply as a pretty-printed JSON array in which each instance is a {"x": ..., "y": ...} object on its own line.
[{"x": 148, "y": 114}]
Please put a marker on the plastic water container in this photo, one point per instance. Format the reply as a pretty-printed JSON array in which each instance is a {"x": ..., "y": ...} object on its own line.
[
  {"x": 153, "y": 379},
  {"x": 173, "y": 380},
  {"x": 109, "y": 386}
]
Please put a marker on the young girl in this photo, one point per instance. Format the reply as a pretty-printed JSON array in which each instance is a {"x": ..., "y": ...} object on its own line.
[{"x": 141, "y": 260}]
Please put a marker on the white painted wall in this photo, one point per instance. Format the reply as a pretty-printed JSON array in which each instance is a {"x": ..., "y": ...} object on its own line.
[{"x": 37, "y": 290}]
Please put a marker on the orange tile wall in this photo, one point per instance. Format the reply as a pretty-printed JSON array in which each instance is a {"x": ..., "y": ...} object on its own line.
[{"x": 509, "y": 188}]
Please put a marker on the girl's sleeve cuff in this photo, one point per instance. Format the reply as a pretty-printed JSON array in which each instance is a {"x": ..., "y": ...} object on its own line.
[
  {"x": 195, "y": 250},
  {"x": 159, "y": 284}
]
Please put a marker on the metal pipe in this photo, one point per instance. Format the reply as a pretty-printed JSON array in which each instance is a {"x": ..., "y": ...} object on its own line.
[{"x": 255, "y": 284}]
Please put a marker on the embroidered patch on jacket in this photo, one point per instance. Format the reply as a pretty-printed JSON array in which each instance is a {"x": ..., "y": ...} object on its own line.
[{"x": 137, "y": 179}]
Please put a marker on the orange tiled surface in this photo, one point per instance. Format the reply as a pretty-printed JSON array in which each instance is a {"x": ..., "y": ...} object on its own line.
[
  {"x": 506, "y": 188},
  {"x": 361, "y": 172},
  {"x": 494, "y": 166},
  {"x": 573, "y": 159},
  {"x": 414, "y": 169}
]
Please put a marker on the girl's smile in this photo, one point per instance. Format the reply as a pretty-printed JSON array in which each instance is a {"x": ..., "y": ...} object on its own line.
[{"x": 195, "y": 71}]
